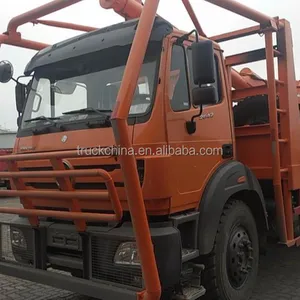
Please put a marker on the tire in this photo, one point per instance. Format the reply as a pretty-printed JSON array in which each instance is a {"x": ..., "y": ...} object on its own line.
[
  {"x": 251, "y": 111},
  {"x": 236, "y": 241}
]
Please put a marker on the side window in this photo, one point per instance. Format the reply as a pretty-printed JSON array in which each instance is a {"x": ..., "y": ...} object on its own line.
[
  {"x": 217, "y": 84},
  {"x": 179, "y": 91}
]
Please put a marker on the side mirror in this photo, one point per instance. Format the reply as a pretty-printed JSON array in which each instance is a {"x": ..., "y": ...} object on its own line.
[
  {"x": 6, "y": 71},
  {"x": 205, "y": 96},
  {"x": 203, "y": 62},
  {"x": 20, "y": 90}
]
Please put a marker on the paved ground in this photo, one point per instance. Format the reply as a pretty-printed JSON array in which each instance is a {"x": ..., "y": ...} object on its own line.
[{"x": 279, "y": 277}]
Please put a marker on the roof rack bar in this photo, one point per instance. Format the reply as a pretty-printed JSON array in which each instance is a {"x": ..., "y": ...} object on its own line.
[
  {"x": 65, "y": 25},
  {"x": 193, "y": 17},
  {"x": 244, "y": 11},
  {"x": 38, "y": 13}
]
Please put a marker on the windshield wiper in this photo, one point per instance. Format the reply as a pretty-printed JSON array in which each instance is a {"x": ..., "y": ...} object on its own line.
[
  {"x": 42, "y": 118},
  {"x": 88, "y": 110}
]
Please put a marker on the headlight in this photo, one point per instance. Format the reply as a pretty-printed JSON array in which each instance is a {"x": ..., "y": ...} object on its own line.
[
  {"x": 17, "y": 238},
  {"x": 127, "y": 255}
]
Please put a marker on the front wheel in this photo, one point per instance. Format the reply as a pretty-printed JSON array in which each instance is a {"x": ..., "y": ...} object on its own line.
[{"x": 231, "y": 268}]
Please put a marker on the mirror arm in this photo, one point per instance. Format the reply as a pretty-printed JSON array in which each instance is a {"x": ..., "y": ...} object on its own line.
[
  {"x": 23, "y": 76},
  {"x": 198, "y": 115},
  {"x": 191, "y": 126},
  {"x": 185, "y": 37}
]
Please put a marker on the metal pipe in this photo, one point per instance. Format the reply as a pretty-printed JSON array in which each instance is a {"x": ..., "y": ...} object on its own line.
[
  {"x": 38, "y": 13},
  {"x": 55, "y": 194},
  {"x": 236, "y": 34},
  {"x": 3, "y": 38},
  {"x": 193, "y": 17},
  {"x": 19, "y": 42},
  {"x": 92, "y": 217},
  {"x": 243, "y": 10},
  {"x": 128, "y": 162},
  {"x": 237, "y": 80},
  {"x": 65, "y": 25},
  {"x": 129, "y": 9},
  {"x": 58, "y": 174},
  {"x": 112, "y": 193},
  {"x": 108, "y": 151},
  {"x": 280, "y": 215}
]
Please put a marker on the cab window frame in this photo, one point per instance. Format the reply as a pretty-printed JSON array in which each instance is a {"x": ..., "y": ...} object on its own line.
[{"x": 186, "y": 65}]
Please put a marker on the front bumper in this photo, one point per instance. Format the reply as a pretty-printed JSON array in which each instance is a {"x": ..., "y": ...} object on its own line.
[
  {"x": 54, "y": 243},
  {"x": 76, "y": 285}
]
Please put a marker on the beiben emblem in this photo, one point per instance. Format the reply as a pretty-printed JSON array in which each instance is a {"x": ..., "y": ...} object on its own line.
[{"x": 64, "y": 138}]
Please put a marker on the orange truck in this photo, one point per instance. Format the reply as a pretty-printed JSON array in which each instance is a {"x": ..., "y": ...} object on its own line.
[{"x": 101, "y": 200}]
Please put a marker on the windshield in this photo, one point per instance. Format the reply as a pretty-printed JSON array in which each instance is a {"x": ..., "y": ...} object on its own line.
[{"x": 78, "y": 89}]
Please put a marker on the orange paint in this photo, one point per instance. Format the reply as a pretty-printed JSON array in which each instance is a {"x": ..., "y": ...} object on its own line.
[{"x": 166, "y": 184}]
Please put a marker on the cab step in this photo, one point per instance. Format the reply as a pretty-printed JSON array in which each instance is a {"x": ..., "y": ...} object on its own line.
[
  {"x": 191, "y": 293},
  {"x": 189, "y": 254}
]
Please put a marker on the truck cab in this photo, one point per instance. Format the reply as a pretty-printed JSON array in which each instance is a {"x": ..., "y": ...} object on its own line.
[{"x": 128, "y": 169}]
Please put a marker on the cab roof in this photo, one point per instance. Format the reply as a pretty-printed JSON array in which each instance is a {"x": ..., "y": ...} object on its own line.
[{"x": 121, "y": 34}]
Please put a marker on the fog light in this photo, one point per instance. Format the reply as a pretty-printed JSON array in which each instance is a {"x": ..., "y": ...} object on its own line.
[
  {"x": 17, "y": 238},
  {"x": 127, "y": 255}
]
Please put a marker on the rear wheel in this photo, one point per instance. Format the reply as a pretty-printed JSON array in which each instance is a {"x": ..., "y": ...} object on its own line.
[{"x": 231, "y": 268}]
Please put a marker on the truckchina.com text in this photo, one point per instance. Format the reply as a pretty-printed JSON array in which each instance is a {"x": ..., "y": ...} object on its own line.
[{"x": 147, "y": 151}]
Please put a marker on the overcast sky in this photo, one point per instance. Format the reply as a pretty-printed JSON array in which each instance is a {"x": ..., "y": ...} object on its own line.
[{"x": 214, "y": 21}]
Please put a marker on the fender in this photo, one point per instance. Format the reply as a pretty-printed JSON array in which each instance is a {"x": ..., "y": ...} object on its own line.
[{"x": 231, "y": 178}]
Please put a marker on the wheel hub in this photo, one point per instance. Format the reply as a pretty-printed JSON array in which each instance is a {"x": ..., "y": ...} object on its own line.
[{"x": 239, "y": 257}]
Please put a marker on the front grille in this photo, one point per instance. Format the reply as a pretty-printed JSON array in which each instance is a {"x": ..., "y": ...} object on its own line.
[
  {"x": 11, "y": 253},
  {"x": 103, "y": 267}
]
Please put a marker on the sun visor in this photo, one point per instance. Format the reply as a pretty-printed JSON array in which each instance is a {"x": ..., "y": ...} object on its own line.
[{"x": 117, "y": 35}]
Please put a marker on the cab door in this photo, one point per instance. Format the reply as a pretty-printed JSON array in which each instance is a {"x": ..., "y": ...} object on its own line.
[{"x": 194, "y": 156}]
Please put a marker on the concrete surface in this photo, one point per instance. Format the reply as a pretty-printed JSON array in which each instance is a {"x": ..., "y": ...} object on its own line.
[{"x": 279, "y": 277}]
